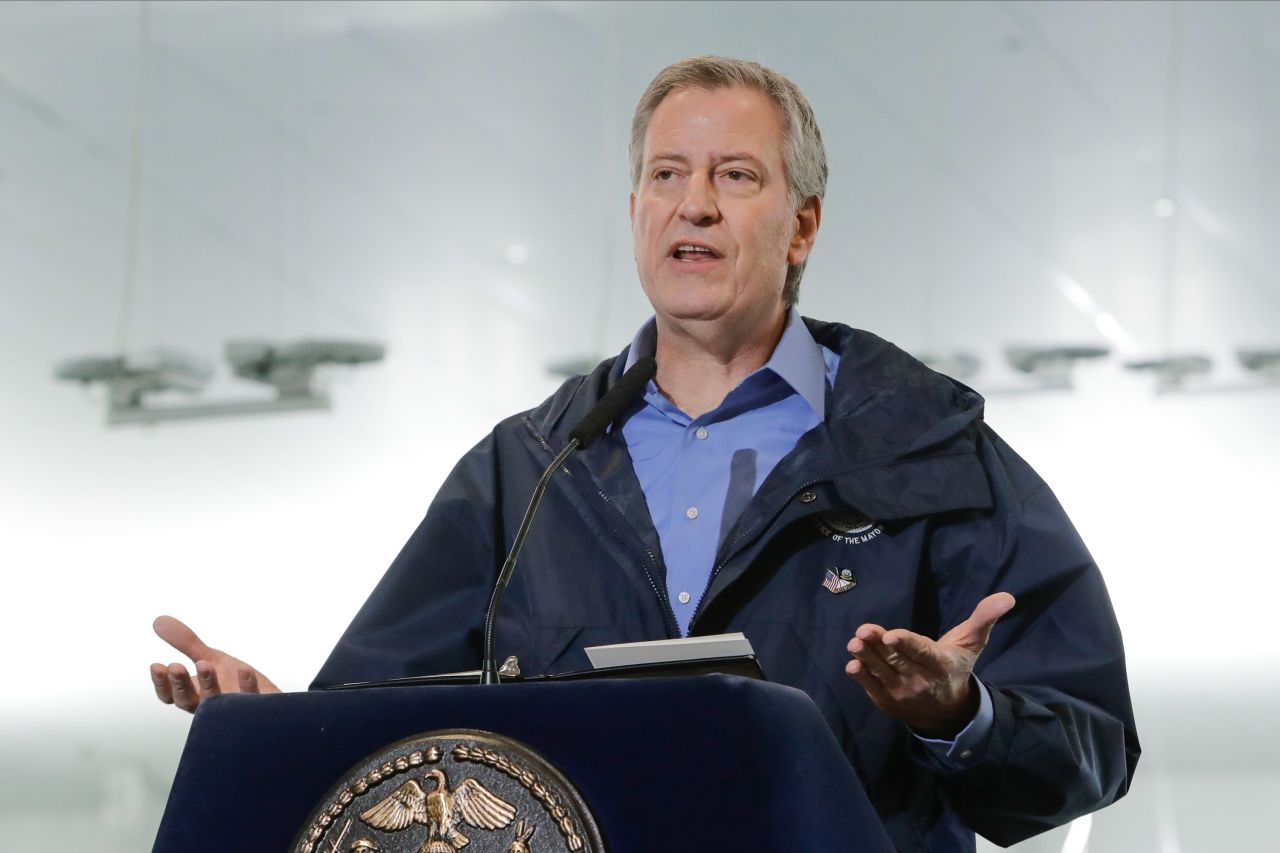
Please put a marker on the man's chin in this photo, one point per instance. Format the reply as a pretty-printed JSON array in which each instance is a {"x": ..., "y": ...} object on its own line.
[{"x": 691, "y": 312}]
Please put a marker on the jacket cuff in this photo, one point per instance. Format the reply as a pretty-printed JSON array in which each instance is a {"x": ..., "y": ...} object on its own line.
[{"x": 969, "y": 747}]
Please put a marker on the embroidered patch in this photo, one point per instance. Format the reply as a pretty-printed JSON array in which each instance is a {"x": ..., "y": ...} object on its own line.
[
  {"x": 849, "y": 528},
  {"x": 838, "y": 583}
]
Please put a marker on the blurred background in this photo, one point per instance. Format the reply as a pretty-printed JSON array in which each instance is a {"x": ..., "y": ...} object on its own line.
[{"x": 1066, "y": 205}]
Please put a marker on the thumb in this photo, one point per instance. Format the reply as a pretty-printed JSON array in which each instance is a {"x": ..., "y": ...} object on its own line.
[
  {"x": 177, "y": 634},
  {"x": 974, "y": 632}
]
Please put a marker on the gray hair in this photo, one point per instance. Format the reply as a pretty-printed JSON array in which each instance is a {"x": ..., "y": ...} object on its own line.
[{"x": 804, "y": 158}]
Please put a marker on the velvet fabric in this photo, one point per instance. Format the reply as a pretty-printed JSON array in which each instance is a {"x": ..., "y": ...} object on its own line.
[{"x": 704, "y": 763}]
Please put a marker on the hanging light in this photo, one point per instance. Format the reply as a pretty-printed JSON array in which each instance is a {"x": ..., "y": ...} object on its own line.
[
  {"x": 1051, "y": 367},
  {"x": 1262, "y": 362},
  {"x": 958, "y": 365},
  {"x": 1172, "y": 372},
  {"x": 129, "y": 380},
  {"x": 289, "y": 369}
]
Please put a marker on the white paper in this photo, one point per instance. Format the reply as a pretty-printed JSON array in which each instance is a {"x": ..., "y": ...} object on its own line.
[{"x": 669, "y": 651}]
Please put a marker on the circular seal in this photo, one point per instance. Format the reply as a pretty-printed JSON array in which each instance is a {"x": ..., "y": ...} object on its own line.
[
  {"x": 848, "y": 522},
  {"x": 442, "y": 791}
]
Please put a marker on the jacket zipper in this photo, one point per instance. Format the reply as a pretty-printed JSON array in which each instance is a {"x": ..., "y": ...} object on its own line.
[
  {"x": 741, "y": 541},
  {"x": 547, "y": 447},
  {"x": 669, "y": 615}
]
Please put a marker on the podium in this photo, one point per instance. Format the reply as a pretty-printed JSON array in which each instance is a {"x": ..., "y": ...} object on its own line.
[{"x": 706, "y": 763}]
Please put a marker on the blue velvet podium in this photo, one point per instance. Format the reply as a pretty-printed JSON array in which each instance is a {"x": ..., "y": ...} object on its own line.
[{"x": 707, "y": 763}]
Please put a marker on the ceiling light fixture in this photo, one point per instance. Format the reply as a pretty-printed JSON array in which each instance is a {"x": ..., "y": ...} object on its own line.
[
  {"x": 1172, "y": 372},
  {"x": 1262, "y": 362},
  {"x": 287, "y": 368},
  {"x": 958, "y": 365},
  {"x": 1051, "y": 367}
]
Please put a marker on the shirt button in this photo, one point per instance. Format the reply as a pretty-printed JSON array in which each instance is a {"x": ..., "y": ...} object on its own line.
[
  {"x": 702, "y": 433},
  {"x": 684, "y": 597},
  {"x": 966, "y": 754},
  {"x": 808, "y": 498},
  {"x": 691, "y": 512}
]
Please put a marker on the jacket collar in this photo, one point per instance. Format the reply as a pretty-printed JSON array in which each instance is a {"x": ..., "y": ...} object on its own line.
[
  {"x": 899, "y": 440},
  {"x": 797, "y": 359}
]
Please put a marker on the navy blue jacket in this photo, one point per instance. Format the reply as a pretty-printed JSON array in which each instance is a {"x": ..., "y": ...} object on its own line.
[{"x": 955, "y": 515}]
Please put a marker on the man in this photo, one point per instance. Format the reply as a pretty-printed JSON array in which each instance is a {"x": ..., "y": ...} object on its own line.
[{"x": 803, "y": 482}]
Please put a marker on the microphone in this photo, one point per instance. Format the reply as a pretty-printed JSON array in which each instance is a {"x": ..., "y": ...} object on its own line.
[{"x": 628, "y": 387}]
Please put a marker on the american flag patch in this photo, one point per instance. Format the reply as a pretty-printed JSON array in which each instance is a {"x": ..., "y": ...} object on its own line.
[{"x": 838, "y": 583}]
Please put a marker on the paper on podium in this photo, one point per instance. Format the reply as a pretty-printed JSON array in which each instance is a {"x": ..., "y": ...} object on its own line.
[{"x": 670, "y": 651}]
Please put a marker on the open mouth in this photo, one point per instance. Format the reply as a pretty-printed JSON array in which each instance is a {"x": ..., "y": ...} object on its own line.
[{"x": 694, "y": 252}]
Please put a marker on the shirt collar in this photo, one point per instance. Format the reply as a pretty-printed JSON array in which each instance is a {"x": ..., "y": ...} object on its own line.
[{"x": 796, "y": 360}]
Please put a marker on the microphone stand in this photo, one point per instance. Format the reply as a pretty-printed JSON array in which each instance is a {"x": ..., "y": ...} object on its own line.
[
  {"x": 489, "y": 669},
  {"x": 629, "y": 386}
]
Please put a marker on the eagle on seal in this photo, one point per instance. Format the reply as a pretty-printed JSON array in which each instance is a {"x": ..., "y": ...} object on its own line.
[{"x": 441, "y": 810}]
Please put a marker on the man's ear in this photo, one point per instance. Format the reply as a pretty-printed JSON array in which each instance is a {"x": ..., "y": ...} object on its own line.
[
  {"x": 808, "y": 218},
  {"x": 632, "y": 206}
]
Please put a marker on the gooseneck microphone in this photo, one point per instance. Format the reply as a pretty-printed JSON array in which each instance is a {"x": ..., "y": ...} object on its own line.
[{"x": 628, "y": 387}]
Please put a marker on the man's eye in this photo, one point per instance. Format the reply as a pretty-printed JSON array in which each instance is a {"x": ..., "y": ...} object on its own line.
[
  {"x": 662, "y": 175},
  {"x": 735, "y": 175}
]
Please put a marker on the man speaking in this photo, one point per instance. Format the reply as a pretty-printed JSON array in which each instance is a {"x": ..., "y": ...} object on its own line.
[{"x": 803, "y": 482}]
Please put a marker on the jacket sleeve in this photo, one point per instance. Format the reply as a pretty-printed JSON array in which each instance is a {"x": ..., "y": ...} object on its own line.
[
  {"x": 426, "y": 615},
  {"x": 1063, "y": 741}
]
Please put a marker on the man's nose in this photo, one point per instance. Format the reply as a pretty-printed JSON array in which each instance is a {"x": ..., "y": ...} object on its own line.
[{"x": 699, "y": 203}]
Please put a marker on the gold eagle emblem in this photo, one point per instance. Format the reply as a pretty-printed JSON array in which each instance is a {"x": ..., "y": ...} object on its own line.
[
  {"x": 521, "y": 842},
  {"x": 441, "y": 810}
]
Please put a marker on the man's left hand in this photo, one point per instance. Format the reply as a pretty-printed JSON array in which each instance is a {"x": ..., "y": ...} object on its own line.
[{"x": 926, "y": 683}]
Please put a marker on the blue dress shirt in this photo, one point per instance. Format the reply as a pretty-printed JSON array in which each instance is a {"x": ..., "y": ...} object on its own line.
[{"x": 698, "y": 474}]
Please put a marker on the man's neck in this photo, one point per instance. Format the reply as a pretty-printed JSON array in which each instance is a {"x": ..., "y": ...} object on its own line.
[{"x": 700, "y": 363}]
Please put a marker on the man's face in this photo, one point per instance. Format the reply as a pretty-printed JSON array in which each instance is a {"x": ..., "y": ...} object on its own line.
[{"x": 713, "y": 226}]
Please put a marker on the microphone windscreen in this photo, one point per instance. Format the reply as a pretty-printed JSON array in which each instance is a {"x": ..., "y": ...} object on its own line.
[{"x": 628, "y": 387}]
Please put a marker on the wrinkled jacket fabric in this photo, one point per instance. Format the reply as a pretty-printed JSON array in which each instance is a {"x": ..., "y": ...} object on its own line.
[{"x": 959, "y": 516}]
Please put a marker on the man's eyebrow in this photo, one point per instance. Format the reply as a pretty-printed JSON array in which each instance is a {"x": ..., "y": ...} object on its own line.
[
  {"x": 739, "y": 155},
  {"x": 727, "y": 157}
]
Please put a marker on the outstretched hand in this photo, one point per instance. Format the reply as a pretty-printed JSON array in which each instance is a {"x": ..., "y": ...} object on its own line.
[
  {"x": 926, "y": 683},
  {"x": 216, "y": 671}
]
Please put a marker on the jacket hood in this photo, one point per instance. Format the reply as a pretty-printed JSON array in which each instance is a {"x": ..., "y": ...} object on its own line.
[
  {"x": 901, "y": 439},
  {"x": 886, "y": 404}
]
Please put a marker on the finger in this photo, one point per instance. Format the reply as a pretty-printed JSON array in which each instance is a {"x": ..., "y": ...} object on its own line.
[
  {"x": 184, "y": 692},
  {"x": 869, "y": 631},
  {"x": 974, "y": 632},
  {"x": 909, "y": 652},
  {"x": 864, "y": 633},
  {"x": 160, "y": 681},
  {"x": 992, "y": 608},
  {"x": 874, "y": 688},
  {"x": 872, "y": 654},
  {"x": 867, "y": 644},
  {"x": 207, "y": 676},
  {"x": 248, "y": 680},
  {"x": 182, "y": 638}
]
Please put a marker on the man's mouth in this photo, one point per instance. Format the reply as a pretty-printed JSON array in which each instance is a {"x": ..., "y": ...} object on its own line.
[{"x": 693, "y": 252}]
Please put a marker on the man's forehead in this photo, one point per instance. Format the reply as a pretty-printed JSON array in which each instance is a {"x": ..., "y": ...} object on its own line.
[
  {"x": 733, "y": 105},
  {"x": 729, "y": 122}
]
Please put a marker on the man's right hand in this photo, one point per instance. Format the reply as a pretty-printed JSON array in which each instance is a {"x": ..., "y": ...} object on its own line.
[{"x": 216, "y": 671}]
